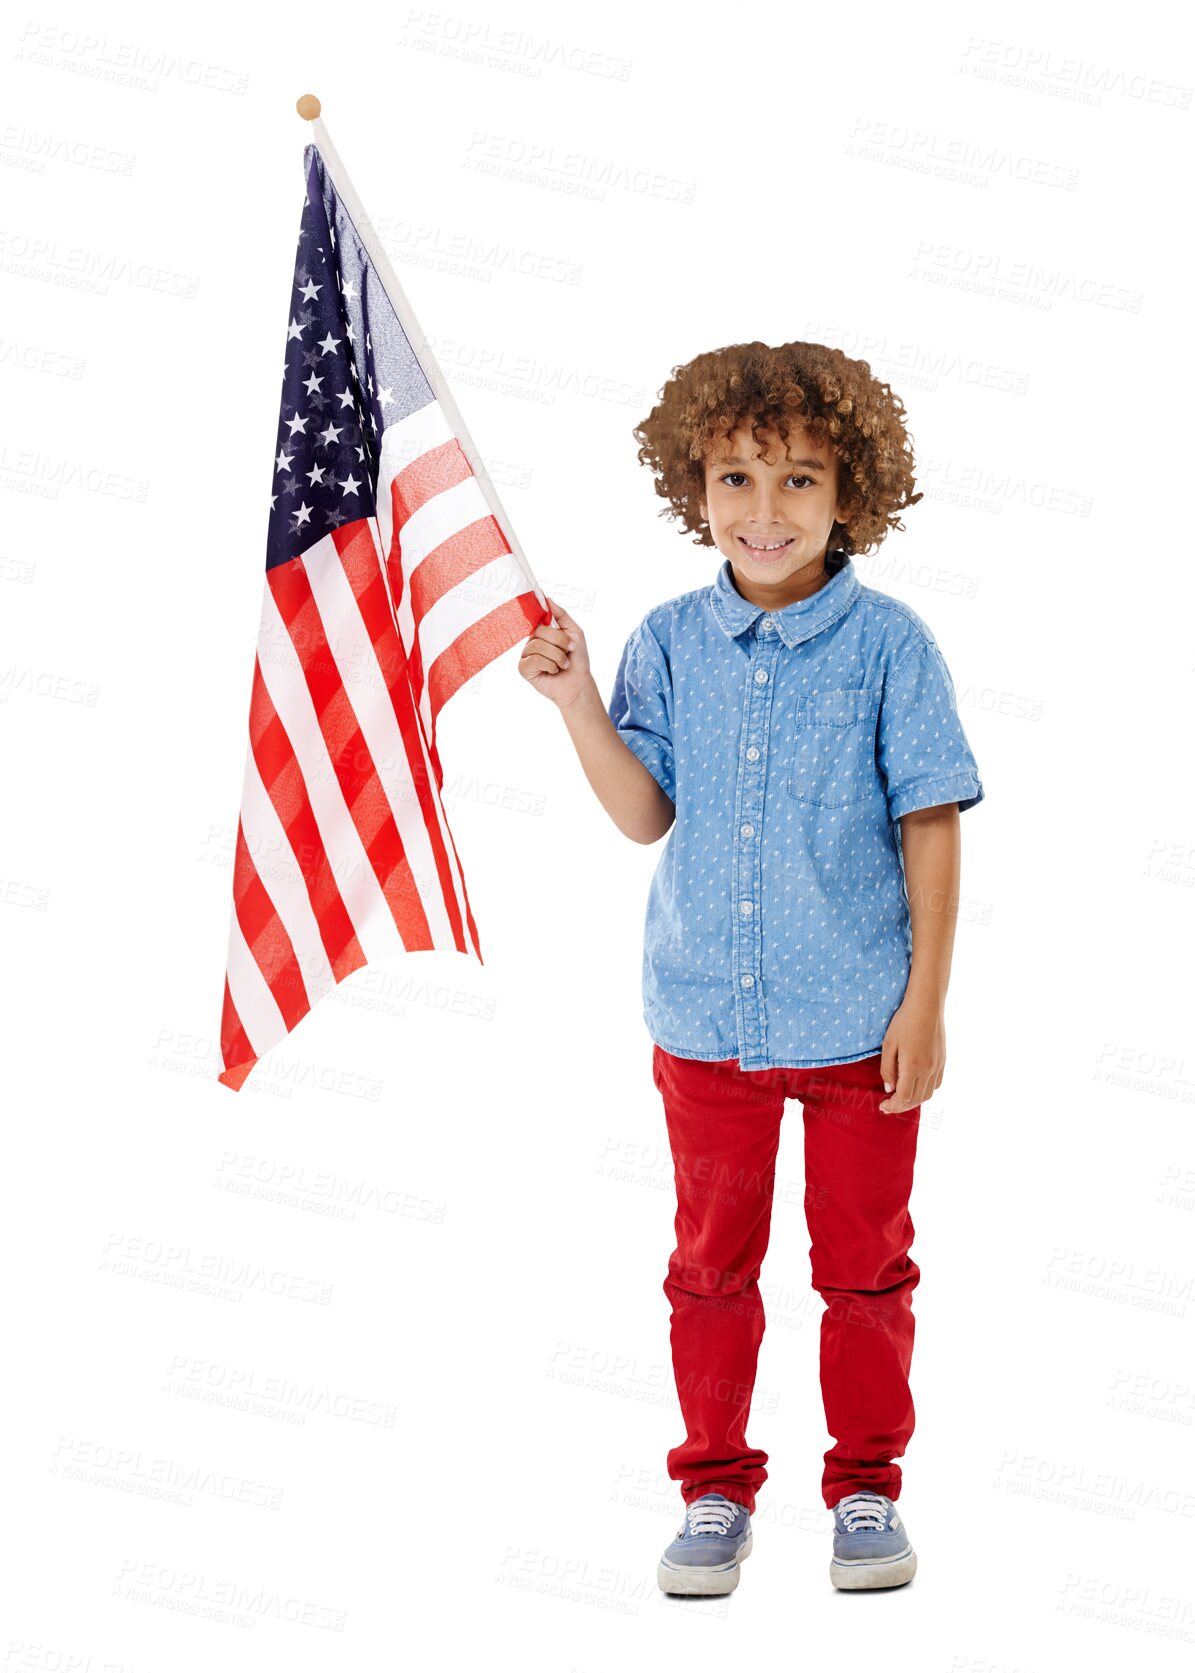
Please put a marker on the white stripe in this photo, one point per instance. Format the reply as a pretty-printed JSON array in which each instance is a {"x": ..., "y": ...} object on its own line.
[
  {"x": 355, "y": 878},
  {"x": 402, "y": 444},
  {"x": 439, "y": 518},
  {"x": 470, "y": 601},
  {"x": 459, "y": 609},
  {"x": 366, "y": 685},
  {"x": 445, "y": 834},
  {"x": 255, "y": 1005},
  {"x": 281, "y": 877}
]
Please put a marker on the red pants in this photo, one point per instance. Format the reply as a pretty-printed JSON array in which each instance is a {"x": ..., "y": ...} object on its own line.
[{"x": 724, "y": 1129}]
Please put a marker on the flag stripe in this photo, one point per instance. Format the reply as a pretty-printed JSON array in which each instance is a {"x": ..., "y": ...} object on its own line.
[
  {"x": 338, "y": 835},
  {"x": 352, "y": 760},
  {"x": 279, "y": 870},
  {"x": 425, "y": 773},
  {"x": 265, "y": 935},
  {"x": 236, "y": 1051},
  {"x": 256, "y": 1010},
  {"x": 282, "y": 776},
  {"x": 473, "y": 648},
  {"x": 333, "y": 576}
]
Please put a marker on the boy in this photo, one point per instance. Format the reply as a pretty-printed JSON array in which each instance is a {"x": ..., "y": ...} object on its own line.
[{"x": 797, "y": 733}]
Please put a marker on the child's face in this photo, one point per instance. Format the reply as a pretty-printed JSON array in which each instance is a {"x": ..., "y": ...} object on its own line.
[{"x": 792, "y": 500}]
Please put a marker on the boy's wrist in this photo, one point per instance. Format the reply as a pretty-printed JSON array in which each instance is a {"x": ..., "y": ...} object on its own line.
[
  {"x": 926, "y": 989},
  {"x": 587, "y": 700}
]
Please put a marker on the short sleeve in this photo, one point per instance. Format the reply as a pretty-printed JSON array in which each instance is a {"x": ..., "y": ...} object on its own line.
[
  {"x": 922, "y": 749},
  {"x": 640, "y": 706}
]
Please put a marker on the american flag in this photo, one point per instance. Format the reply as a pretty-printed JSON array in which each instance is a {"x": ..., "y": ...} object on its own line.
[{"x": 389, "y": 583}]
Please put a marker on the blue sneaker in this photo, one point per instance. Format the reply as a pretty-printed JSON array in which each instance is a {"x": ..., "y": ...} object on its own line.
[
  {"x": 703, "y": 1560},
  {"x": 871, "y": 1544}
]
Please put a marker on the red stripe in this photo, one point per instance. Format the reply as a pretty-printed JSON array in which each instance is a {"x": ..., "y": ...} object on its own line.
[
  {"x": 272, "y": 948},
  {"x": 480, "y": 644},
  {"x": 280, "y": 773},
  {"x": 356, "y": 772},
  {"x": 445, "y": 567},
  {"x": 365, "y": 577},
  {"x": 462, "y": 554},
  {"x": 235, "y": 1049},
  {"x": 441, "y": 467}
]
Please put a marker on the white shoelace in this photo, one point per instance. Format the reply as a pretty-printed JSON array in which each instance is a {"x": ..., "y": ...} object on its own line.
[
  {"x": 710, "y": 1517},
  {"x": 863, "y": 1510}
]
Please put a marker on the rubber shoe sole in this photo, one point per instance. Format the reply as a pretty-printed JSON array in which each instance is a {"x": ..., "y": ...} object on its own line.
[
  {"x": 702, "y": 1580},
  {"x": 874, "y": 1574}
]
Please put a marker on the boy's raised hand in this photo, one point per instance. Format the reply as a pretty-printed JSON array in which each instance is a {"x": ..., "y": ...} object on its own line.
[{"x": 555, "y": 660}]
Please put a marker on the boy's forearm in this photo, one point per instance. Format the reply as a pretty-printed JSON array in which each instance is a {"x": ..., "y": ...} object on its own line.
[
  {"x": 620, "y": 781},
  {"x": 932, "y": 847}
]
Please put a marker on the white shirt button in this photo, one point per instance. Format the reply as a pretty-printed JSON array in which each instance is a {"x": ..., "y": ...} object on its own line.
[
  {"x": 753, "y": 754},
  {"x": 748, "y": 981},
  {"x": 747, "y": 830},
  {"x": 767, "y": 625},
  {"x": 745, "y": 908},
  {"x": 761, "y": 676}
]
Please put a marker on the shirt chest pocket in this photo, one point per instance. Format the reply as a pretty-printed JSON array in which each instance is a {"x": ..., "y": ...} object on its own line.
[{"x": 833, "y": 762}]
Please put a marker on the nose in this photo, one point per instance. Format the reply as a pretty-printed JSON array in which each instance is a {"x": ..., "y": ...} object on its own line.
[{"x": 765, "y": 504}]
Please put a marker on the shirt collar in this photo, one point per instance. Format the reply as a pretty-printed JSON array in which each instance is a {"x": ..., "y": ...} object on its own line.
[{"x": 734, "y": 614}]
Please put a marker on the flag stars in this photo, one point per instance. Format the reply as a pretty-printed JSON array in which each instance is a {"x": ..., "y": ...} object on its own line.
[
  {"x": 327, "y": 457},
  {"x": 385, "y": 398}
]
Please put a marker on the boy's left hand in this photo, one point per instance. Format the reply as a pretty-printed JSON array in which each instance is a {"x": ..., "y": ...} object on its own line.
[{"x": 913, "y": 1055}]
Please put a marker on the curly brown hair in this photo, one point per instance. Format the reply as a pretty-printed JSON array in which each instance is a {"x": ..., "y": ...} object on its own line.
[{"x": 807, "y": 385}]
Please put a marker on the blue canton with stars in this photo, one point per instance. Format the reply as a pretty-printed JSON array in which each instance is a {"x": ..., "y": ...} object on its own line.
[{"x": 349, "y": 372}]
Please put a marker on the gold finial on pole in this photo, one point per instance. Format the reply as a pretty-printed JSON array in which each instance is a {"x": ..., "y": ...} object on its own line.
[{"x": 308, "y": 107}]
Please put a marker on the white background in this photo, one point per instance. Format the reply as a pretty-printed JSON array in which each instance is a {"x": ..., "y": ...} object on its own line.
[{"x": 459, "y": 1447}]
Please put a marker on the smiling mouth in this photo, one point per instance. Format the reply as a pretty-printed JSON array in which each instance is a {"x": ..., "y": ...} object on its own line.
[{"x": 764, "y": 547}]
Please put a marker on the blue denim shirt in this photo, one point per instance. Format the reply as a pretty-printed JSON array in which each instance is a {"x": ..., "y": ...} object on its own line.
[{"x": 777, "y": 928}]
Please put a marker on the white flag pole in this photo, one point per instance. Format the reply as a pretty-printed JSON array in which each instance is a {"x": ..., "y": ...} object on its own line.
[{"x": 308, "y": 107}]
